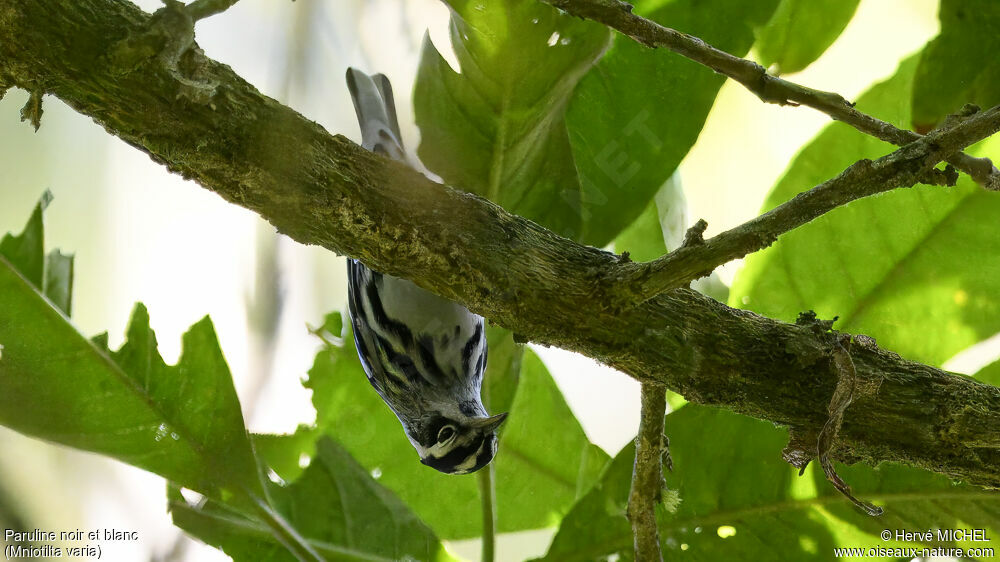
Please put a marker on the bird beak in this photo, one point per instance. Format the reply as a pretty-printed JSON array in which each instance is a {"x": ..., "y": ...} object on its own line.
[{"x": 488, "y": 424}]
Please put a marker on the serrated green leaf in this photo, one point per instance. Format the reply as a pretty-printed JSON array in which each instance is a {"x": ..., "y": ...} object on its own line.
[
  {"x": 960, "y": 65},
  {"x": 636, "y": 114},
  {"x": 894, "y": 266},
  {"x": 497, "y": 128},
  {"x": 196, "y": 397},
  {"x": 182, "y": 422},
  {"x": 739, "y": 501},
  {"x": 52, "y": 274},
  {"x": 333, "y": 324},
  {"x": 537, "y": 478},
  {"x": 335, "y": 505},
  {"x": 800, "y": 31},
  {"x": 26, "y": 251},
  {"x": 100, "y": 341}
]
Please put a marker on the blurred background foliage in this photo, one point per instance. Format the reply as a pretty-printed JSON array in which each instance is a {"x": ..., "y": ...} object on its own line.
[{"x": 558, "y": 120}]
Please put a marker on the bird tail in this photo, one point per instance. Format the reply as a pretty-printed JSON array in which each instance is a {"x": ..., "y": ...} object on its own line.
[{"x": 373, "y": 102}]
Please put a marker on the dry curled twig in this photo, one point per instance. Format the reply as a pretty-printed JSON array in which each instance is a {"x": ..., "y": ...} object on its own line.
[{"x": 843, "y": 395}]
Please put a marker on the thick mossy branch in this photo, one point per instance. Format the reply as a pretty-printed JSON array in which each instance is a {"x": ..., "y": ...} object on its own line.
[{"x": 325, "y": 190}]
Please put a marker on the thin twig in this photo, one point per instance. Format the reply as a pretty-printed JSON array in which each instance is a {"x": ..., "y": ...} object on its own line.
[
  {"x": 771, "y": 89},
  {"x": 905, "y": 167},
  {"x": 647, "y": 474},
  {"x": 486, "y": 497},
  {"x": 201, "y": 9}
]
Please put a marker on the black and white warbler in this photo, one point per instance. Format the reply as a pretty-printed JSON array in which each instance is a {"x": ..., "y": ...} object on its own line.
[{"x": 424, "y": 354}]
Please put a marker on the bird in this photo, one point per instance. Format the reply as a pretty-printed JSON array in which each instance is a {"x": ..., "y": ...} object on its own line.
[{"x": 425, "y": 355}]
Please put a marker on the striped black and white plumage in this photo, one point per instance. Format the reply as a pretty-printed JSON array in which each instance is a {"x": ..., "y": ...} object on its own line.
[{"x": 425, "y": 355}]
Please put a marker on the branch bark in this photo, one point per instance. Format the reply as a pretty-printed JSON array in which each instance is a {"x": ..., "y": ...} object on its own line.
[
  {"x": 914, "y": 163},
  {"x": 647, "y": 474},
  {"x": 325, "y": 190},
  {"x": 201, "y": 9},
  {"x": 770, "y": 89}
]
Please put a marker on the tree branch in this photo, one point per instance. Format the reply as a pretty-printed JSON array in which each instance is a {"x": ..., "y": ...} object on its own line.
[
  {"x": 903, "y": 168},
  {"x": 201, "y": 9},
  {"x": 770, "y": 89},
  {"x": 325, "y": 190},
  {"x": 647, "y": 474}
]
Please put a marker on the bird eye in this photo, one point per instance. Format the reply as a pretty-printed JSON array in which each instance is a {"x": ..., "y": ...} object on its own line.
[{"x": 446, "y": 433}]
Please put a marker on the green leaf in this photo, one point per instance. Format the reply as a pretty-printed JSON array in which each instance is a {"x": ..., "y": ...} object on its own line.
[
  {"x": 537, "y": 478},
  {"x": 638, "y": 112},
  {"x": 333, "y": 326},
  {"x": 503, "y": 369},
  {"x": 196, "y": 397},
  {"x": 502, "y": 129},
  {"x": 894, "y": 266},
  {"x": 58, "y": 287},
  {"x": 913, "y": 499},
  {"x": 643, "y": 239},
  {"x": 26, "y": 251},
  {"x": 661, "y": 226},
  {"x": 596, "y": 527},
  {"x": 53, "y": 274},
  {"x": 497, "y": 129},
  {"x": 547, "y": 461},
  {"x": 800, "y": 31},
  {"x": 335, "y": 505},
  {"x": 287, "y": 454},
  {"x": 989, "y": 374},
  {"x": 960, "y": 65},
  {"x": 733, "y": 498},
  {"x": 182, "y": 422}
]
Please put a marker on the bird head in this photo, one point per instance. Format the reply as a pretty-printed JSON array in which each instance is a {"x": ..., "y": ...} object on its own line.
[{"x": 456, "y": 445}]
